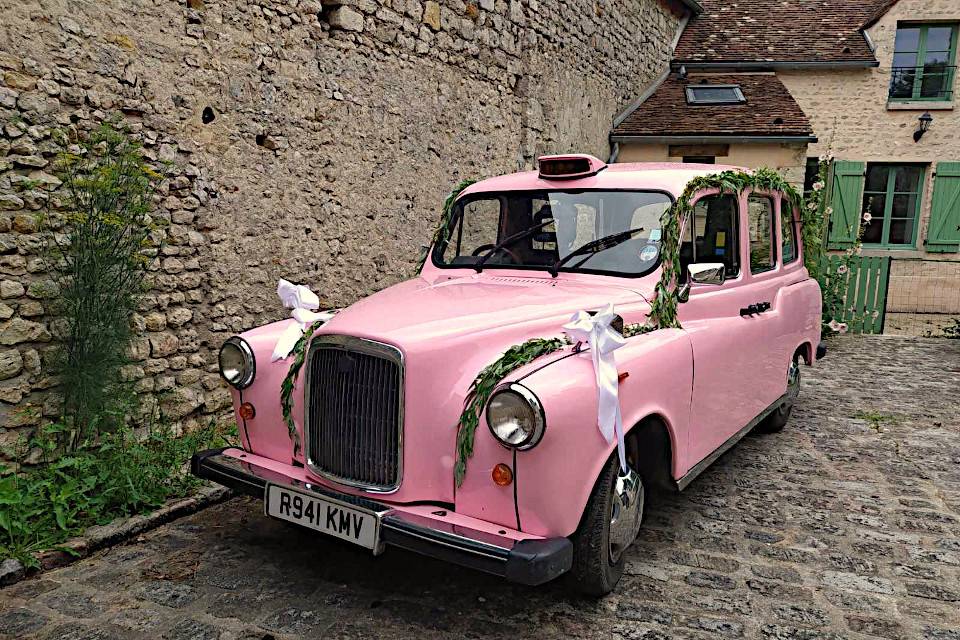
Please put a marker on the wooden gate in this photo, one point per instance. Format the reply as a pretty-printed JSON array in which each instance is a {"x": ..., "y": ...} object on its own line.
[{"x": 865, "y": 284}]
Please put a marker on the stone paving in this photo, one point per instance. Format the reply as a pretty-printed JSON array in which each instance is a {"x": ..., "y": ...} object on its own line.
[{"x": 846, "y": 525}]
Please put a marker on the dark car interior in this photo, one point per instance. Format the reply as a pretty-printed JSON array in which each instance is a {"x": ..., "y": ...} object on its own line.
[{"x": 712, "y": 235}]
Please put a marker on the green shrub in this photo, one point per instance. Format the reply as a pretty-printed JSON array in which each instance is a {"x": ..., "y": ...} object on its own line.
[
  {"x": 100, "y": 265},
  {"x": 123, "y": 474}
]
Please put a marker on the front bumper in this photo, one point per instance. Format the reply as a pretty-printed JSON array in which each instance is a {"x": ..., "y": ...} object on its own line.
[{"x": 530, "y": 561}]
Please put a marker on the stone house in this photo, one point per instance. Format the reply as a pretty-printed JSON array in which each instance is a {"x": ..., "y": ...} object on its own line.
[
  {"x": 771, "y": 83},
  {"x": 310, "y": 140}
]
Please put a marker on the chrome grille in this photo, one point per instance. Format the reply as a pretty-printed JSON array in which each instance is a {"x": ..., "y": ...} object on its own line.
[{"x": 354, "y": 412}]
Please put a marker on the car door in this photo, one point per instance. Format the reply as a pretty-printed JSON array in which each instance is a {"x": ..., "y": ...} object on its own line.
[
  {"x": 726, "y": 343},
  {"x": 765, "y": 279}
]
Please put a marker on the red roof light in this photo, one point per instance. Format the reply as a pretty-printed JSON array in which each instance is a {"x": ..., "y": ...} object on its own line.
[{"x": 569, "y": 167}]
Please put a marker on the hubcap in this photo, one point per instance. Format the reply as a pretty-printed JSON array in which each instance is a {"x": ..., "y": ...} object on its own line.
[
  {"x": 793, "y": 387},
  {"x": 626, "y": 513},
  {"x": 793, "y": 380}
]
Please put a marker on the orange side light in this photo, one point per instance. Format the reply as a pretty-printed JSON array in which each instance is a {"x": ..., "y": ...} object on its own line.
[
  {"x": 247, "y": 412},
  {"x": 502, "y": 475}
]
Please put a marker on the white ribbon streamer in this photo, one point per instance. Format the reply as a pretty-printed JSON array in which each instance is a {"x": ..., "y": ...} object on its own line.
[
  {"x": 595, "y": 330},
  {"x": 304, "y": 304}
]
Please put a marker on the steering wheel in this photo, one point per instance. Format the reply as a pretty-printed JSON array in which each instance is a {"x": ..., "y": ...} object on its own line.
[{"x": 486, "y": 247}]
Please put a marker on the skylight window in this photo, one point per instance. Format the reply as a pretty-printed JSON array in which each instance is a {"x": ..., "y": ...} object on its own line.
[{"x": 715, "y": 94}]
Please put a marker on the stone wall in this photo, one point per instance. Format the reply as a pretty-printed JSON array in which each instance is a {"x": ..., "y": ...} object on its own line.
[{"x": 313, "y": 142}]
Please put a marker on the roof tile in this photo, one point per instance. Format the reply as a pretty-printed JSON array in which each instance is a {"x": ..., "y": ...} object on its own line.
[
  {"x": 770, "y": 110},
  {"x": 779, "y": 31}
]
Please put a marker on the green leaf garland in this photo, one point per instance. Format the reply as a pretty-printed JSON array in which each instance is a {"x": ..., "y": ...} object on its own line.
[
  {"x": 442, "y": 233},
  {"x": 484, "y": 385},
  {"x": 290, "y": 381}
]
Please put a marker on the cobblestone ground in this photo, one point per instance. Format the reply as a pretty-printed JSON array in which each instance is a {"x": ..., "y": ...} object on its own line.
[{"x": 846, "y": 525}]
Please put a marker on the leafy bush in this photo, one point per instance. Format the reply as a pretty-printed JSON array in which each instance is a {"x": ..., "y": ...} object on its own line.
[
  {"x": 831, "y": 277},
  {"x": 100, "y": 264},
  {"x": 122, "y": 474}
]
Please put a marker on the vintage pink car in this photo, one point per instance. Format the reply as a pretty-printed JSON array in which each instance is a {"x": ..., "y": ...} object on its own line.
[{"x": 384, "y": 380}]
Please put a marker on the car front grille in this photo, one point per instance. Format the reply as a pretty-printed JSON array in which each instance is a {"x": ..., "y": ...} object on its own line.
[{"x": 354, "y": 412}]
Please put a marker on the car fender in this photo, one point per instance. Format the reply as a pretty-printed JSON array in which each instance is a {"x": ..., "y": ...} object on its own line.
[{"x": 554, "y": 479}]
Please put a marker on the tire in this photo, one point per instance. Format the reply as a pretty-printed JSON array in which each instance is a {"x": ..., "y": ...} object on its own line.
[
  {"x": 598, "y": 565},
  {"x": 777, "y": 420}
]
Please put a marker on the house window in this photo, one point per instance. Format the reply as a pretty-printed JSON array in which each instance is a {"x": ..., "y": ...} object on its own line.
[
  {"x": 714, "y": 94},
  {"x": 891, "y": 197},
  {"x": 923, "y": 62}
]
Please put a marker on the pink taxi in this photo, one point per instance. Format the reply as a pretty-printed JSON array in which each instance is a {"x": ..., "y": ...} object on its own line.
[{"x": 376, "y": 409}]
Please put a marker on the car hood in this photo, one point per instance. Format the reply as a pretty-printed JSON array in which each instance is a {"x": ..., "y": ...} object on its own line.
[{"x": 421, "y": 310}]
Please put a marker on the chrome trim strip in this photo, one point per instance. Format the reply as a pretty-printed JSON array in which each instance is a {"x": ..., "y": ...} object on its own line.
[
  {"x": 371, "y": 347},
  {"x": 701, "y": 466}
]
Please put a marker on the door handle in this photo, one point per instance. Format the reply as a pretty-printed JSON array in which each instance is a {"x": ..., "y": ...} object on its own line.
[{"x": 755, "y": 309}]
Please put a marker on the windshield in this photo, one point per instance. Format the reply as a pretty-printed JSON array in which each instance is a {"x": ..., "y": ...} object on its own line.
[{"x": 539, "y": 229}]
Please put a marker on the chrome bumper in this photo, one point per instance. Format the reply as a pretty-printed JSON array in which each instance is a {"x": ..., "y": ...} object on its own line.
[{"x": 530, "y": 562}]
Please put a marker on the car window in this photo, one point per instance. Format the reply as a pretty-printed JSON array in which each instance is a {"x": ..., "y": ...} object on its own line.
[
  {"x": 542, "y": 228},
  {"x": 760, "y": 231},
  {"x": 711, "y": 235},
  {"x": 788, "y": 236},
  {"x": 480, "y": 226}
]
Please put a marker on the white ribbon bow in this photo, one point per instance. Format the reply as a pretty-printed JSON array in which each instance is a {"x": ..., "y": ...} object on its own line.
[
  {"x": 304, "y": 303},
  {"x": 595, "y": 330}
]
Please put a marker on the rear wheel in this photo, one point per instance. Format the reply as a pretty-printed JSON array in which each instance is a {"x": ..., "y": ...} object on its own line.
[
  {"x": 777, "y": 420},
  {"x": 609, "y": 525}
]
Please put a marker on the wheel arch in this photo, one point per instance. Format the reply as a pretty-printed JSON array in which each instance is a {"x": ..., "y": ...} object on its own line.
[
  {"x": 806, "y": 352},
  {"x": 651, "y": 444}
]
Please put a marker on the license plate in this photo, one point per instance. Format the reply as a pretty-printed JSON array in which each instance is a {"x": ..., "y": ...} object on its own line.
[{"x": 349, "y": 523}]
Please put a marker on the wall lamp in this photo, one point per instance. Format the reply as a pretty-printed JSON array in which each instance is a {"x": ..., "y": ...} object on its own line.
[{"x": 925, "y": 120}]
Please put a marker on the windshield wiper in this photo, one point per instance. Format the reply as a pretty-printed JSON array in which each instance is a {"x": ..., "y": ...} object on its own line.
[
  {"x": 593, "y": 247},
  {"x": 510, "y": 240}
]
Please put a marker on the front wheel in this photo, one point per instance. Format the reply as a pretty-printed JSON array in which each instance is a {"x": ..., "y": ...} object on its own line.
[
  {"x": 777, "y": 420},
  {"x": 609, "y": 525}
]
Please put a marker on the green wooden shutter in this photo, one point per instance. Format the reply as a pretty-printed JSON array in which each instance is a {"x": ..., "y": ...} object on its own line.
[
  {"x": 943, "y": 233},
  {"x": 847, "y": 192}
]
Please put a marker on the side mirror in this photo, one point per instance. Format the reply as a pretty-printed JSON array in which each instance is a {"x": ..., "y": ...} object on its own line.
[{"x": 702, "y": 273}]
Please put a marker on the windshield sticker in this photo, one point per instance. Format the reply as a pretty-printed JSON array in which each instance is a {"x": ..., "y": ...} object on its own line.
[
  {"x": 654, "y": 235},
  {"x": 649, "y": 253}
]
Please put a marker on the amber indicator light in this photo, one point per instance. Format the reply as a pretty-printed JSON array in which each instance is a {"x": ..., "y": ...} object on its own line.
[
  {"x": 247, "y": 412},
  {"x": 502, "y": 475}
]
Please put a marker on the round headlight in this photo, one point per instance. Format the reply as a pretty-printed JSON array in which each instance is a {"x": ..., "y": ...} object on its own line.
[
  {"x": 515, "y": 417},
  {"x": 237, "y": 365}
]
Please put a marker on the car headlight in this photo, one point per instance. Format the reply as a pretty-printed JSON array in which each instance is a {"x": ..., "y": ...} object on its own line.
[
  {"x": 515, "y": 417},
  {"x": 237, "y": 364}
]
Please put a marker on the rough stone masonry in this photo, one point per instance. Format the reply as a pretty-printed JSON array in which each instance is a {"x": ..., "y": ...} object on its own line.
[{"x": 313, "y": 141}]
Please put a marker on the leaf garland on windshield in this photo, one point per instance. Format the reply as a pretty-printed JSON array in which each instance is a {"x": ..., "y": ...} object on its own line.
[
  {"x": 663, "y": 307},
  {"x": 442, "y": 233}
]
